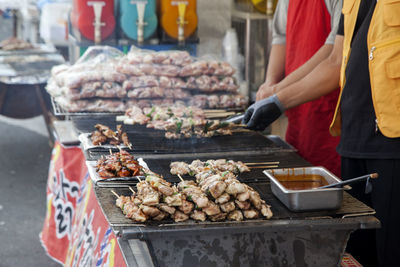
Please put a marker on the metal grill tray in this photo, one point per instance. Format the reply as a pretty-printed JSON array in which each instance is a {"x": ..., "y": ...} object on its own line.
[
  {"x": 350, "y": 207},
  {"x": 160, "y": 164}
]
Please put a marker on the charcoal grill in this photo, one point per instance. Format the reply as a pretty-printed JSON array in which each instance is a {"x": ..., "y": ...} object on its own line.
[{"x": 288, "y": 239}]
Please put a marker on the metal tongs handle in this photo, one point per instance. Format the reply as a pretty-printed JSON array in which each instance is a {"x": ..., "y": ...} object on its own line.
[
  {"x": 235, "y": 119},
  {"x": 368, "y": 187}
]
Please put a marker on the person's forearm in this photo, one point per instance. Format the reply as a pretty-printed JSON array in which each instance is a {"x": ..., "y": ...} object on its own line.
[
  {"x": 276, "y": 64},
  {"x": 307, "y": 67},
  {"x": 323, "y": 79}
]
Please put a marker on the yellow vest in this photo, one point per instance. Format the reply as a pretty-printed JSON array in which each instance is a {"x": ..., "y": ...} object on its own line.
[{"x": 384, "y": 63}]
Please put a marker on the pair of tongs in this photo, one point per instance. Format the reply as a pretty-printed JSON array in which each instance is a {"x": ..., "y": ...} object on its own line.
[
  {"x": 368, "y": 184},
  {"x": 234, "y": 119}
]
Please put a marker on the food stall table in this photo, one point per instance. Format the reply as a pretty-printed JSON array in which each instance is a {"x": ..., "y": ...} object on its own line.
[{"x": 83, "y": 226}]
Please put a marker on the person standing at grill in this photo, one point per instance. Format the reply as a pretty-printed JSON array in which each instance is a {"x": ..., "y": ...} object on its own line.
[
  {"x": 303, "y": 35},
  {"x": 365, "y": 61}
]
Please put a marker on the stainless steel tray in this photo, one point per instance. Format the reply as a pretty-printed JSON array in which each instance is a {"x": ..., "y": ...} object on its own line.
[{"x": 309, "y": 199}]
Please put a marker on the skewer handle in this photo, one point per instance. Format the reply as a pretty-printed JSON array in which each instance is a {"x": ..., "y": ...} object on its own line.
[
  {"x": 115, "y": 194},
  {"x": 133, "y": 191},
  {"x": 262, "y": 163},
  {"x": 180, "y": 177}
]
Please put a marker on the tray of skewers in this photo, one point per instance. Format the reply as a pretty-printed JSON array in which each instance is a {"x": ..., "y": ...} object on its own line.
[
  {"x": 116, "y": 167},
  {"x": 215, "y": 195},
  {"x": 180, "y": 121},
  {"x": 105, "y": 138}
]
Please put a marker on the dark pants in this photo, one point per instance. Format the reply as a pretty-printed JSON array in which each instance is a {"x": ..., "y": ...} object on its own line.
[{"x": 381, "y": 245}]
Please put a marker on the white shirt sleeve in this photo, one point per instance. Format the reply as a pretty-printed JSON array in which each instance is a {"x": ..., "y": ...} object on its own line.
[
  {"x": 279, "y": 22},
  {"x": 335, "y": 10}
]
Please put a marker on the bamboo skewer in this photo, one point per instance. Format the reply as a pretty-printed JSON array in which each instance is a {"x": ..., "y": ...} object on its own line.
[
  {"x": 219, "y": 115},
  {"x": 264, "y": 167},
  {"x": 130, "y": 146},
  {"x": 133, "y": 191},
  {"x": 109, "y": 150},
  {"x": 260, "y": 163},
  {"x": 180, "y": 177},
  {"x": 137, "y": 177},
  {"x": 214, "y": 110},
  {"x": 115, "y": 194}
]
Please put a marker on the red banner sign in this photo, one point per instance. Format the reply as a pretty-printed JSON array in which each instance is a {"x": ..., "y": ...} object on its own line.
[{"x": 75, "y": 230}]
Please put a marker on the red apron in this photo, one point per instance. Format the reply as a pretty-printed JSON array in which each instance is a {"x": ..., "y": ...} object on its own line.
[{"x": 308, "y": 26}]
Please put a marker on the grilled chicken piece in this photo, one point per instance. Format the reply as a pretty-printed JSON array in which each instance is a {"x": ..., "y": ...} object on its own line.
[
  {"x": 98, "y": 138},
  {"x": 228, "y": 207},
  {"x": 124, "y": 172},
  {"x": 112, "y": 165},
  {"x": 105, "y": 130},
  {"x": 186, "y": 184},
  {"x": 133, "y": 212},
  {"x": 225, "y": 197},
  {"x": 150, "y": 199},
  {"x": 193, "y": 193},
  {"x": 125, "y": 140},
  {"x": 217, "y": 188},
  {"x": 235, "y": 215},
  {"x": 250, "y": 214},
  {"x": 243, "y": 196},
  {"x": 164, "y": 207},
  {"x": 243, "y": 205},
  {"x": 234, "y": 187},
  {"x": 218, "y": 217},
  {"x": 150, "y": 211},
  {"x": 206, "y": 180},
  {"x": 201, "y": 200},
  {"x": 128, "y": 208},
  {"x": 160, "y": 216},
  {"x": 211, "y": 209},
  {"x": 174, "y": 200},
  {"x": 105, "y": 173},
  {"x": 180, "y": 216},
  {"x": 186, "y": 206},
  {"x": 198, "y": 215},
  {"x": 266, "y": 211},
  {"x": 255, "y": 199},
  {"x": 179, "y": 167},
  {"x": 165, "y": 190},
  {"x": 120, "y": 202}
]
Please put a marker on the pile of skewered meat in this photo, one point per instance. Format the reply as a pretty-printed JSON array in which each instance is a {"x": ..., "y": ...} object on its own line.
[
  {"x": 179, "y": 121},
  {"x": 14, "y": 44},
  {"x": 216, "y": 166},
  {"x": 156, "y": 199},
  {"x": 119, "y": 164},
  {"x": 145, "y": 77},
  {"x": 218, "y": 179},
  {"x": 104, "y": 135}
]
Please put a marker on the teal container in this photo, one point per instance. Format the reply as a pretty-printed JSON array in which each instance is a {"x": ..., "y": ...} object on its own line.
[{"x": 129, "y": 18}]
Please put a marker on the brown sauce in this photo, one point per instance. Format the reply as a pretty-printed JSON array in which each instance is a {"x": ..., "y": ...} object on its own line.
[{"x": 302, "y": 181}]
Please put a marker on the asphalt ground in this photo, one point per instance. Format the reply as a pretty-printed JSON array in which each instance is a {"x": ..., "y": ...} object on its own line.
[{"x": 24, "y": 161}]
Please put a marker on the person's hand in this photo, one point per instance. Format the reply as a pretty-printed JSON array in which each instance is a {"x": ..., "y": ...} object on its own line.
[
  {"x": 264, "y": 91},
  {"x": 262, "y": 113}
]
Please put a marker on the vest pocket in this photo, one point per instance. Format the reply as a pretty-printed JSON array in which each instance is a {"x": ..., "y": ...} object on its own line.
[
  {"x": 384, "y": 65},
  {"x": 391, "y": 11},
  {"x": 392, "y": 68}
]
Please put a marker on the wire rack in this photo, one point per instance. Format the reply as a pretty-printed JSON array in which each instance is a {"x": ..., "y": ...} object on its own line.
[{"x": 60, "y": 111}]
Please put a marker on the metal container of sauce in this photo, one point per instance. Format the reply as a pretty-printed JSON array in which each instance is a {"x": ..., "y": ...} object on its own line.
[{"x": 297, "y": 188}]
